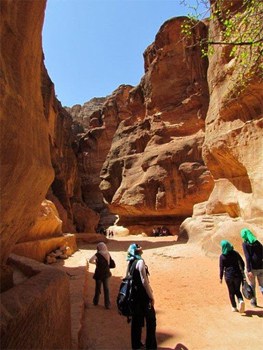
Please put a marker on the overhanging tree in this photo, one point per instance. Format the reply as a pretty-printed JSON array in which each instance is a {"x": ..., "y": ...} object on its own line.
[{"x": 240, "y": 24}]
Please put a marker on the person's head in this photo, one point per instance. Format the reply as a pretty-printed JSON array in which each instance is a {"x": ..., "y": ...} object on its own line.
[
  {"x": 102, "y": 247},
  {"x": 247, "y": 236},
  {"x": 134, "y": 252},
  {"x": 226, "y": 246}
]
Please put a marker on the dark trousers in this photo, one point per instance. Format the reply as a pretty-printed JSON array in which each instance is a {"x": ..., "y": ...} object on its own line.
[
  {"x": 148, "y": 314},
  {"x": 105, "y": 283},
  {"x": 233, "y": 286}
]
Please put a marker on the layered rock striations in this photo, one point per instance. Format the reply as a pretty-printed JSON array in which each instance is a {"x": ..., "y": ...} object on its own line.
[{"x": 26, "y": 170}]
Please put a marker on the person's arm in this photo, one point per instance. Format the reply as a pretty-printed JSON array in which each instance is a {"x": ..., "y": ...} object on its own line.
[
  {"x": 93, "y": 259},
  {"x": 221, "y": 268},
  {"x": 144, "y": 278},
  {"x": 247, "y": 256},
  {"x": 241, "y": 262}
]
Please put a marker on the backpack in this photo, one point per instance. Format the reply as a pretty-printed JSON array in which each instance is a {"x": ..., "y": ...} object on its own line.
[{"x": 125, "y": 297}]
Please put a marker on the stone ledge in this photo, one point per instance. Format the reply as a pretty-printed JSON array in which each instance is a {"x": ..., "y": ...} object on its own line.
[{"x": 36, "y": 313}]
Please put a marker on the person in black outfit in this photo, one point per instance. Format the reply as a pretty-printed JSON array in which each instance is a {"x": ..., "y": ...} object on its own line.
[
  {"x": 143, "y": 307},
  {"x": 103, "y": 262},
  {"x": 253, "y": 251},
  {"x": 231, "y": 265}
]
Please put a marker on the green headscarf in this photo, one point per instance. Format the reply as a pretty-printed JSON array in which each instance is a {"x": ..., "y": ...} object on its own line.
[
  {"x": 226, "y": 247},
  {"x": 248, "y": 236},
  {"x": 132, "y": 252}
]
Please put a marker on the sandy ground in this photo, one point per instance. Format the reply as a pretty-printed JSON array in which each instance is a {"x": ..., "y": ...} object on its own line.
[{"x": 192, "y": 308}]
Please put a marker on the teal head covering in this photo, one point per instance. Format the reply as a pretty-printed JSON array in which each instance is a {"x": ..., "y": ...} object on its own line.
[
  {"x": 132, "y": 252},
  {"x": 247, "y": 236},
  {"x": 227, "y": 247}
]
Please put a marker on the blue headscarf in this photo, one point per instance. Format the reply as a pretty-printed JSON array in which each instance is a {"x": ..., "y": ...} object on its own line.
[
  {"x": 132, "y": 252},
  {"x": 227, "y": 247}
]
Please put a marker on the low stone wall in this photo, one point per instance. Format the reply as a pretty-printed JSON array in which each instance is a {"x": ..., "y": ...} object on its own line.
[{"x": 35, "y": 314}]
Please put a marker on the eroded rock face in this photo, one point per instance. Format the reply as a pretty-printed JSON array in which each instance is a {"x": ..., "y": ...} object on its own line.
[
  {"x": 234, "y": 135},
  {"x": 65, "y": 191},
  {"x": 83, "y": 115},
  {"x": 47, "y": 224},
  {"x": 233, "y": 143},
  {"x": 93, "y": 146},
  {"x": 26, "y": 170},
  {"x": 154, "y": 169}
]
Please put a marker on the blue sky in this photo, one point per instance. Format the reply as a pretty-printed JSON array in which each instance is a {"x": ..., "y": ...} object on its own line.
[{"x": 93, "y": 46}]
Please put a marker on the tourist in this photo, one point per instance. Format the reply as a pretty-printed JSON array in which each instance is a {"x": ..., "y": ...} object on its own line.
[
  {"x": 232, "y": 265},
  {"x": 143, "y": 302},
  {"x": 104, "y": 262},
  {"x": 253, "y": 251}
]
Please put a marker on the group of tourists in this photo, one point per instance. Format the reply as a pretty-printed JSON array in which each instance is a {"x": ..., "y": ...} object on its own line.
[
  {"x": 161, "y": 231},
  {"x": 231, "y": 266}
]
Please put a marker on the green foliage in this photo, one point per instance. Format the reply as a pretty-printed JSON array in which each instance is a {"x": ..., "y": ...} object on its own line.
[{"x": 241, "y": 30}]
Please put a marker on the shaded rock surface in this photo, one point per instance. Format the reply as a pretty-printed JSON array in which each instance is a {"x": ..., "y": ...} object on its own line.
[{"x": 26, "y": 170}]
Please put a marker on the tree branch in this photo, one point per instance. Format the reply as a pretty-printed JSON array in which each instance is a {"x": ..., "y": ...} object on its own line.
[{"x": 238, "y": 43}]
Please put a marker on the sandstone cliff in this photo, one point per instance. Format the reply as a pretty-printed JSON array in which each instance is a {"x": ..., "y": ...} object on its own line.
[
  {"x": 233, "y": 141},
  {"x": 146, "y": 141},
  {"x": 65, "y": 191},
  {"x": 37, "y": 158},
  {"x": 26, "y": 170}
]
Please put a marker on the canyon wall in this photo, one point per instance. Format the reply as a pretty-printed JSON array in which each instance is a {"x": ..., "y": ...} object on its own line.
[
  {"x": 26, "y": 169},
  {"x": 185, "y": 142},
  {"x": 34, "y": 314},
  {"x": 145, "y": 142},
  {"x": 65, "y": 190},
  {"x": 233, "y": 138}
]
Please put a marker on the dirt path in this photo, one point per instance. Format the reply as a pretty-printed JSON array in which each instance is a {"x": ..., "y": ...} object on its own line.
[{"x": 192, "y": 308}]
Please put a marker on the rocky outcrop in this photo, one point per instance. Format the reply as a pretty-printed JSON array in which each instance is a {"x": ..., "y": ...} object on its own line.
[
  {"x": 82, "y": 115},
  {"x": 145, "y": 142},
  {"x": 26, "y": 170},
  {"x": 233, "y": 138},
  {"x": 154, "y": 172},
  {"x": 36, "y": 138},
  {"x": 93, "y": 146},
  {"x": 65, "y": 191},
  {"x": 47, "y": 223}
]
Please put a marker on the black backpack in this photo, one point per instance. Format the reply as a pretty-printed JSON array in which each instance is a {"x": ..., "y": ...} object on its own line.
[{"x": 125, "y": 297}]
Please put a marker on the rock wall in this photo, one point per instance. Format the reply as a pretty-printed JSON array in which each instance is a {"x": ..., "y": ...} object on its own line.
[
  {"x": 65, "y": 191},
  {"x": 233, "y": 138},
  {"x": 26, "y": 170},
  {"x": 233, "y": 142},
  {"x": 146, "y": 141}
]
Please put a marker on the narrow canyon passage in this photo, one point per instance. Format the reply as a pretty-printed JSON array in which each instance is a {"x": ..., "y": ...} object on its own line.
[{"x": 192, "y": 308}]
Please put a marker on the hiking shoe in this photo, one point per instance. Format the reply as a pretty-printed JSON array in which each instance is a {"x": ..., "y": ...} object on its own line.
[
  {"x": 241, "y": 306},
  {"x": 234, "y": 309}
]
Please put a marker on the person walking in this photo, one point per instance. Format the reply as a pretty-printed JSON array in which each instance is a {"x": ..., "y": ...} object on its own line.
[
  {"x": 104, "y": 263},
  {"x": 231, "y": 266},
  {"x": 143, "y": 307},
  {"x": 253, "y": 251}
]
